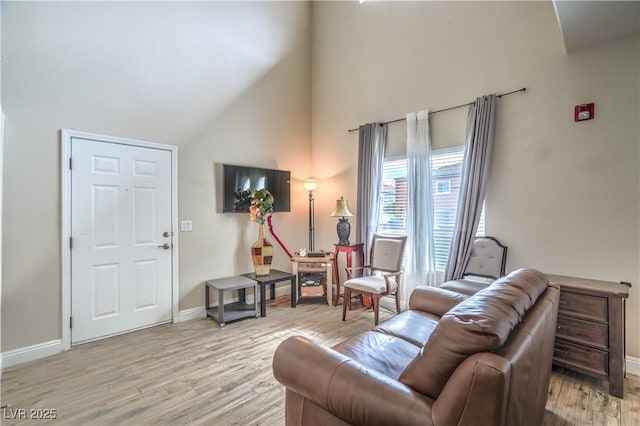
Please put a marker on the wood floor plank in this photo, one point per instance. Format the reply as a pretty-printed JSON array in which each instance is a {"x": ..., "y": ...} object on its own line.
[
  {"x": 198, "y": 373},
  {"x": 630, "y": 405},
  {"x": 555, "y": 385}
]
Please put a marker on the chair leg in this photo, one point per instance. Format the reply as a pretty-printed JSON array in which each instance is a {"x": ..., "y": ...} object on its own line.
[
  {"x": 375, "y": 300},
  {"x": 345, "y": 302},
  {"x": 397, "y": 303}
]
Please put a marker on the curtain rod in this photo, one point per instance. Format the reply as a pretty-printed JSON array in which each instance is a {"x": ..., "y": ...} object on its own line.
[{"x": 524, "y": 89}]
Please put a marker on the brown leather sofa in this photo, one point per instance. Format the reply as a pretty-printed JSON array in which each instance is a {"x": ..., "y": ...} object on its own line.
[{"x": 451, "y": 359}]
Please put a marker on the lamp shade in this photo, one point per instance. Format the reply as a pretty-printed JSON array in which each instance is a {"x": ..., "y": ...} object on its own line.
[
  {"x": 342, "y": 209},
  {"x": 310, "y": 184}
]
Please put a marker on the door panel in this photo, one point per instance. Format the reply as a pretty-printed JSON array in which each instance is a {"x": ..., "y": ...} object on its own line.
[
  {"x": 144, "y": 207},
  {"x": 120, "y": 209},
  {"x": 104, "y": 209},
  {"x": 145, "y": 283},
  {"x": 105, "y": 291}
]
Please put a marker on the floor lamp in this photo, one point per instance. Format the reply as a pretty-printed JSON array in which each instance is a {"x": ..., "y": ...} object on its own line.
[{"x": 311, "y": 185}]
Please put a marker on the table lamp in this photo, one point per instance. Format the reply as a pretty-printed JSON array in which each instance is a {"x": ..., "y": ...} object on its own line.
[{"x": 344, "y": 227}]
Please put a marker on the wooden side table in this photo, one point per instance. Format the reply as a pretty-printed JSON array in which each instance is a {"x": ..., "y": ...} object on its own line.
[
  {"x": 314, "y": 267},
  {"x": 350, "y": 251},
  {"x": 590, "y": 333}
]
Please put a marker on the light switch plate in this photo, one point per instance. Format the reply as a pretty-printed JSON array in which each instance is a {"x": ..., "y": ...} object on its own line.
[{"x": 186, "y": 226}]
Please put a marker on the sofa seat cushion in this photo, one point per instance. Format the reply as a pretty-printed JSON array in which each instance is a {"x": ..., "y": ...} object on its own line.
[
  {"x": 388, "y": 355},
  {"x": 413, "y": 326},
  {"x": 465, "y": 286},
  {"x": 371, "y": 284},
  {"x": 480, "y": 323}
]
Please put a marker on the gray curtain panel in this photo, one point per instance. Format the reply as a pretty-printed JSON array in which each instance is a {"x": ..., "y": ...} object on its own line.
[
  {"x": 372, "y": 141},
  {"x": 475, "y": 170}
]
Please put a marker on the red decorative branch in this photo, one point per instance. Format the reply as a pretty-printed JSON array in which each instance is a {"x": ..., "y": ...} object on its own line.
[{"x": 277, "y": 238}]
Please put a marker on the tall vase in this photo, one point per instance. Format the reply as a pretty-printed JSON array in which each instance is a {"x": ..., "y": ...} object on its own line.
[{"x": 262, "y": 254}]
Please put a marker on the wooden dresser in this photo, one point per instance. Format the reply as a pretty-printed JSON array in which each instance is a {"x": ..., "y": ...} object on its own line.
[{"x": 590, "y": 334}]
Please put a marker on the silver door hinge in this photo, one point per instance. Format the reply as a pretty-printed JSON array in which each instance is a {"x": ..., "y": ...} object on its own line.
[
  {"x": 70, "y": 322},
  {"x": 70, "y": 243},
  {"x": 70, "y": 163}
]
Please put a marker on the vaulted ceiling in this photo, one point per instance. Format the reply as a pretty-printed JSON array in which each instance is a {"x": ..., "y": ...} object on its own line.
[{"x": 588, "y": 23}]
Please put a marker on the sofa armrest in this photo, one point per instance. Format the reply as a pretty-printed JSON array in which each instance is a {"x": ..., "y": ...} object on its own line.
[
  {"x": 478, "y": 389},
  {"x": 346, "y": 388},
  {"x": 434, "y": 300}
]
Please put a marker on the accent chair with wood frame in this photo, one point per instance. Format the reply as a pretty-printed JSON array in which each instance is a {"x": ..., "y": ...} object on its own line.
[
  {"x": 380, "y": 277},
  {"x": 486, "y": 264}
]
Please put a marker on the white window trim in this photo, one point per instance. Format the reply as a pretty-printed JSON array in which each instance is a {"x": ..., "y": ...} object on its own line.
[{"x": 448, "y": 191}]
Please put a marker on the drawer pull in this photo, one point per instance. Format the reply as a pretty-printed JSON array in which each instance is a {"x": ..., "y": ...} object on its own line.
[
  {"x": 562, "y": 352},
  {"x": 563, "y": 302},
  {"x": 562, "y": 327}
]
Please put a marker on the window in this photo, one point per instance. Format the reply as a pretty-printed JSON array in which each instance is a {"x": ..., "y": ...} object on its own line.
[
  {"x": 446, "y": 169},
  {"x": 443, "y": 186},
  {"x": 442, "y": 217}
]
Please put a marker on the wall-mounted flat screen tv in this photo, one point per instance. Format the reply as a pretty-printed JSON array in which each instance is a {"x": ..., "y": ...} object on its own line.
[{"x": 239, "y": 182}]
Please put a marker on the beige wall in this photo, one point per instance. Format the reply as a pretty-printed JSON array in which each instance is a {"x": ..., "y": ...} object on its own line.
[
  {"x": 235, "y": 83},
  {"x": 563, "y": 196},
  {"x": 1, "y": 180},
  {"x": 226, "y": 82}
]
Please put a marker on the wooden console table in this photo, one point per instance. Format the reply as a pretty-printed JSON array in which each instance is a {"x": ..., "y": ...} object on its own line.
[{"x": 590, "y": 333}]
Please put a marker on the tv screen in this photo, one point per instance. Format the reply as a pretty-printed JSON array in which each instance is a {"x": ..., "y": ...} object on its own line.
[{"x": 239, "y": 182}]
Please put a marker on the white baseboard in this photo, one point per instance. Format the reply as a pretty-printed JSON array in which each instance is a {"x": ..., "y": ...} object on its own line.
[
  {"x": 30, "y": 353},
  {"x": 191, "y": 314},
  {"x": 199, "y": 311},
  {"x": 633, "y": 365},
  {"x": 280, "y": 291}
]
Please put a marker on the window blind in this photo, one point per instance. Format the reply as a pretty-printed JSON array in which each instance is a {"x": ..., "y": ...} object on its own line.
[{"x": 446, "y": 170}]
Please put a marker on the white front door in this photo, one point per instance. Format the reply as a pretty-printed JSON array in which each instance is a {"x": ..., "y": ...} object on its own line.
[{"x": 121, "y": 277}]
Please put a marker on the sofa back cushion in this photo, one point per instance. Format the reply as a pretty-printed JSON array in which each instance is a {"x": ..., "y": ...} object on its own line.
[{"x": 481, "y": 323}]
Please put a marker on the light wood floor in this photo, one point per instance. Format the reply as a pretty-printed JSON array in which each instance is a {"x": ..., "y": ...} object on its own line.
[{"x": 198, "y": 373}]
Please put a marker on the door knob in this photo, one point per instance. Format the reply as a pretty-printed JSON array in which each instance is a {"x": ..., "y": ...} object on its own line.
[
  {"x": 165, "y": 246},
  {"x": 165, "y": 234}
]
